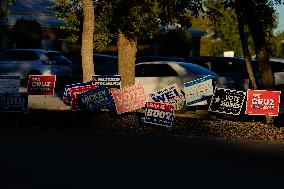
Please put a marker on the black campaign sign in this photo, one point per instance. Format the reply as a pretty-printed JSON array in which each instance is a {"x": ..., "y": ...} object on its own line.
[{"x": 227, "y": 101}]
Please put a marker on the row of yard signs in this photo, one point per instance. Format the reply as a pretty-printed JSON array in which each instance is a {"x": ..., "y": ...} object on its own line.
[
  {"x": 105, "y": 92},
  {"x": 11, "y": 100}
]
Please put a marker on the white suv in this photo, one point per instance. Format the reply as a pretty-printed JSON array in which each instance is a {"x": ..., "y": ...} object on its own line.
[{"x": 25, "y": 62}]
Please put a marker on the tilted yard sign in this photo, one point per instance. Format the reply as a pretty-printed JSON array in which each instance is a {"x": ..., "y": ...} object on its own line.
[
  {"x": 9, "y": 84},
  {"x": 110, "y": 81},
  {"x": 262, "y": 102},
  {"x": 41, "y": 84},
  {"x": 227, "y": 101},
  {"x": 198, "y": 90},
  {"x": 96, "y": 99},
  {"x": 16, "y": 102},
  {"x": 67, "y": 100},
  {"x": 129, "y": 98},
  {"x": 159, "y": 114},
  {"x": 171, "y": 95},
  {"x": 78, "y": 90}
]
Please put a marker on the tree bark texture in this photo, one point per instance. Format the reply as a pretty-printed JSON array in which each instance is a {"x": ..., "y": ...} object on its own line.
[
  {"x": 262, "y": 55},
  {"x": 87, "y": 40},
  {"x": 245, "y": 48},
  {"x": 127, "y": 49}
]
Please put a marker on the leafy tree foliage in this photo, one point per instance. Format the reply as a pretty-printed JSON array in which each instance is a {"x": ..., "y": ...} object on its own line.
[
  {"x": 221, "y": 25},
  {"x": 70, "y": 12},
  {"x": 5, "y": 8},
  {"x": 277, "y": 45}
]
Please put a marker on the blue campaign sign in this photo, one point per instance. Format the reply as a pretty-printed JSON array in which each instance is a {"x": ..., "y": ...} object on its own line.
[
  {"x": 110, "y": 81},
  {"x": 96, "y": 99},
  {"x": 67, "y": 91},
  {"x": 198, "y": 90},
  {"x": 159, "y": 114},
  {"x": 16, "y": 102},
  {"x": 171, "y": 94},
  {"x": 9, "y": 84}
]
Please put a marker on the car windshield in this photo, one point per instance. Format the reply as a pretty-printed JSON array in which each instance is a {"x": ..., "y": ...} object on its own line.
[{"x": 197, "y": 70}]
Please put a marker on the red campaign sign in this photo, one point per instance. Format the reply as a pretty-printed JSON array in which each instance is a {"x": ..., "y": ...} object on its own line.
[
  {"x": 160, "y": 106},
  {"x": 129, "y": 98},
  {"x": 79, "y": 90},
  {"x": 41, "y": 84},
  {"x": 262, "y": 102}
]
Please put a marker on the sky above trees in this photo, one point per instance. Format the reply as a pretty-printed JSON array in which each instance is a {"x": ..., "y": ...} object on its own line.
[{"x": 280, "y": 11}]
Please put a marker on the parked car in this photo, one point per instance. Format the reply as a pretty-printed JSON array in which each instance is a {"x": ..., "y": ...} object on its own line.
[
  {"x": 161, "y": 74},
  {"x": 25, "y": 62},
  {"x": 277, "y": 66},
  {"x": 103, "y": 65},
  {"x": 158, "y": 58},
  {"x": 233, "y": 69}
]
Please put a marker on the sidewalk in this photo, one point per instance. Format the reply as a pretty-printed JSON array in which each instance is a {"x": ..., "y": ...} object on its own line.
[{"x": 47, "y": 102}]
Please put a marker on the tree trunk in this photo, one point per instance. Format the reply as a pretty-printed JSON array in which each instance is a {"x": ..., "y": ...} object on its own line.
[
  {"x": 245, "y": 48},
  {"x": 87, "y": 40},
  {"x": 261, "y": 50},
  {"x": 126, "y": 59}
]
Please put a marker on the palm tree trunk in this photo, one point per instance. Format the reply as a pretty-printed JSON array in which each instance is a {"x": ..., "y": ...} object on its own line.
[{"x": 87, "y": 40}]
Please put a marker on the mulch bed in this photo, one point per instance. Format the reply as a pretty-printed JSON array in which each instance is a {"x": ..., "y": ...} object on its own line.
[{"x": 131, "y": 124}]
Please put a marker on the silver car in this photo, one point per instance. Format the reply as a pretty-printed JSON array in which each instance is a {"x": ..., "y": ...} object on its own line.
[{"x": 25, "y": 62}]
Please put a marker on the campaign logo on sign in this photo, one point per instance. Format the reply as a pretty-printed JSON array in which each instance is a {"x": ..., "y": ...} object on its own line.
[
  {"x": 67, "y": 100},
  {"x": 110, "y": 81},
  {"x": 129, "y": 98},
  {"x": 171, "y": 95},
  {"x": 198, "y": 90},
  {"x": 96, "y": 99},
  {"x": 41, "y": 84},
  {"x": 227, "y": 101},
  {"x": 159, "y": 114},
  {"x": 262, "y": 102},
  {"x": 79, "y": 90},
  {"x": 16, "y": 102},
  {"x": 9, "y": 84}
]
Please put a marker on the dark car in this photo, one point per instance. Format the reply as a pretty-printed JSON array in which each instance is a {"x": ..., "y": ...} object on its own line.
[
  {"x": 158, "y": 58},
  {"x": 103, "y": 65}
]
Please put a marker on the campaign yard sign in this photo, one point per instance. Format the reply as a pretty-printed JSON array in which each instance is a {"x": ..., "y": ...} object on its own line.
[
  {"x": 262, "y": 102},
  {"x": 110, "y": 81},
  {"x": 9, "y": 84},
  {"x": 198, "y": 90},
  {"x": 159, "y": 114},
  {"x": 129, "y": 98},
  {"x": 79, "y": 90},
  {"x": 171, "y": 95},
  {"x": 227, "y": 101},
  {"x": 16, "y": 102},
  {"x": 96, "y": 99},
  {"x": 67, "y": 100},
  {"x": 41, "y": 84}
]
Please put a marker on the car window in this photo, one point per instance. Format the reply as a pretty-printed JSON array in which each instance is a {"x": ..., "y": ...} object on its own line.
[
  {"x": 277, "y": 66},
  {"x": 23, "y": 56},
  {"x": 155, "y": 70},
  {"x": 197, "y": 70},
  {"x": 58, "y": 58}
]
